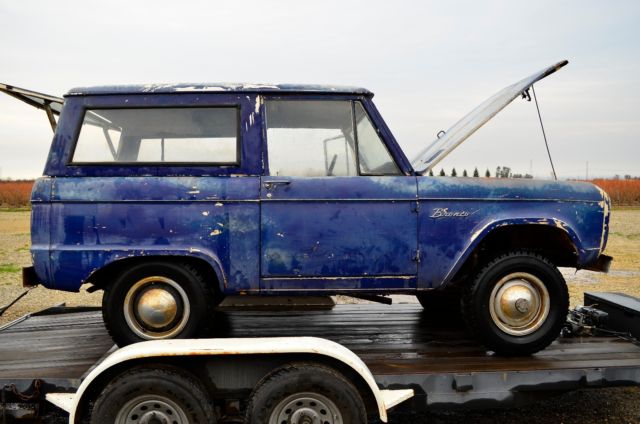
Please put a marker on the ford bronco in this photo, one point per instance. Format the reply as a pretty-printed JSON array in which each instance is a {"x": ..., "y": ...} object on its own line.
[{"x": 170, "y": 197}]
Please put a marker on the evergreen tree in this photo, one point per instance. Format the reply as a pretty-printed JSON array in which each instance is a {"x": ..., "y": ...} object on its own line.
[
  {"x": 454, "y": 173},
  {"x": 487, "y": 174},
  {"x": 464, "y": 173},
  {"x": 442, "y": 174},
  {"x": 431, "y": 172},
  {"x": 476, "y": 174}
]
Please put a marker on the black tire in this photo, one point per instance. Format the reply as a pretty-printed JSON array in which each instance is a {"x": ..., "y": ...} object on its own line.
[
  {"x": 172, "y": 394},
  {"x": 193, "y": 298},
  {"x": 491, "y": 325},
  {"x": 300, "y": 388}
]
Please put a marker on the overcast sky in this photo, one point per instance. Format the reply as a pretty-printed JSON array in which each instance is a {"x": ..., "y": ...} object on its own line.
[{"x": 428, "y": 63}]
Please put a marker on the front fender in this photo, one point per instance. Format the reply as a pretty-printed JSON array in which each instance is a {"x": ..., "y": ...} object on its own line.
[{"x": 482, "y": 231}]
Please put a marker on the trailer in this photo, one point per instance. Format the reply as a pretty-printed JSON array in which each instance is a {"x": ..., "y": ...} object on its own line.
[{"x": 62, "y": 359}]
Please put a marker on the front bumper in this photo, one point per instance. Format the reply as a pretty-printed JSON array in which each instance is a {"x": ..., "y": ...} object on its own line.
[{"x": 602, "y": 264}]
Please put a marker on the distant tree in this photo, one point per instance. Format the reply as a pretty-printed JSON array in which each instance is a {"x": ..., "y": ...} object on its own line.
[
  {"x": 442, "y": 174},
  {"x": 528, "y": 176},
  {"x": 454, "y": 173},
  {"x": 431, "y": 172},
  {"x": 464, "y": 173},
  {"x": 487, "y": 174},
  {"x": 503, "y": 172},
  {"x": 476, "y": 174}
]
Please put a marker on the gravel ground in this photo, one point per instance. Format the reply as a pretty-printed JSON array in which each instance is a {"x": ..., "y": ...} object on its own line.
[{"x": 614, "y": 405}]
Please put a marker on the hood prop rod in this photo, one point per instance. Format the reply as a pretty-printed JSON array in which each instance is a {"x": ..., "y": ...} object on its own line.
[{"x": 544, "y": 135}]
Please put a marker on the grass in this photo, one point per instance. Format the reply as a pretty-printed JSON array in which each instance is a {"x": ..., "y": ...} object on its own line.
[
  {"x": 20, "y": 209},
  {"x": 9, "y": 268}
]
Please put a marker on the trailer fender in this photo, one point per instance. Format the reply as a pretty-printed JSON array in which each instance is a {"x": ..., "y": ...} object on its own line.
[{"x": 385, "y": 399}]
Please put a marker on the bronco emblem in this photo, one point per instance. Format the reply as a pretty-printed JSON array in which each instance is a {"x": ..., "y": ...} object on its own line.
[{"x": 444, "y": 213}]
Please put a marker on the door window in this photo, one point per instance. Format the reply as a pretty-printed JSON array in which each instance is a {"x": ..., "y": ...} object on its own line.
[
  {"x": 374, "y": 157},
  {"x": 316, "y": 138},
  {"x": 310, "y": 138}
]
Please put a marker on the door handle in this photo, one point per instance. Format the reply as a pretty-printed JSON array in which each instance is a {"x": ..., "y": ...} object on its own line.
[{"x": 270, "y": 184}]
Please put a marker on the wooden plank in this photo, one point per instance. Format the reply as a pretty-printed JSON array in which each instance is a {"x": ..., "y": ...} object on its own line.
[{"x": 396, "y": 339}]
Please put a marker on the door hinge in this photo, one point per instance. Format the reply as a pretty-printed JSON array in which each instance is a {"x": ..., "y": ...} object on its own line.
[
  {"x": 415, "y": 206},
  {"x": 416, "y": 256}
]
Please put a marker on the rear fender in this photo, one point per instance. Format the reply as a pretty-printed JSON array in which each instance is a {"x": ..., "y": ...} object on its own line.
[{"x": 100, "y": 259}]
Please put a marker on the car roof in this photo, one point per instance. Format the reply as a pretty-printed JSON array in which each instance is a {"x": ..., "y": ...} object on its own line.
[{"x": 217, "y": 87}]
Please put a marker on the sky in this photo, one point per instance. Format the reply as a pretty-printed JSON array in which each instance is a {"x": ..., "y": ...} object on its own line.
[{"x": 428, "y": 63}]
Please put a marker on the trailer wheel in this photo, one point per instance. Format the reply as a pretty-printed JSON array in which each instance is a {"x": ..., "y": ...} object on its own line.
[
  {"x": 517, "y": 304},
  {"x": 301, "y": 393},
  {"x": 153, "y": 395},
  {"x": 155, "y": 301}
]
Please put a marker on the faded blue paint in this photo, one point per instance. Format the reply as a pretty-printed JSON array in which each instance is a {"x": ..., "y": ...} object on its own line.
[
  {"x": 338, "y": 227},
  {"x": 305, "y": 235}
]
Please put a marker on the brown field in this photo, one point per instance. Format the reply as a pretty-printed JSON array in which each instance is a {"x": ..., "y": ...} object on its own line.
[
  {"x": 622, "y": 192},
  {"x": 15, "y": 194}
]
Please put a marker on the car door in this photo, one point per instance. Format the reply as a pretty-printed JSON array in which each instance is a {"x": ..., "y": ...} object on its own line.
[{"x": 336, "y": 212}]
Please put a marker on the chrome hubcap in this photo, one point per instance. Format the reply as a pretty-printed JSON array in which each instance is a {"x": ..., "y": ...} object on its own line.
[
  {"x": 156, "y": 308},
  {"x": 151, "y": 409},
  {"x": 519, "y": 304},
  {"x": 306, "y": 408}
]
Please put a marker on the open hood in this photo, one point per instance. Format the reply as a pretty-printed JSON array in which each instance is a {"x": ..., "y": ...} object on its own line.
[
  {"x": 50, "y": 104},
  {"x": 442, "y": 146}
]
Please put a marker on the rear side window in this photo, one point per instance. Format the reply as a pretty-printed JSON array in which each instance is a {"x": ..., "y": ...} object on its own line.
[{"x": 159, "y": 136}]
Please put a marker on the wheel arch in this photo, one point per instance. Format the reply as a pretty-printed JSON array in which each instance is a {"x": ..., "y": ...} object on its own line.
[
  {"x": 208, "y": 265},
  {"x": 553, "y": 238},
  {"x": 308, "y": 349}
]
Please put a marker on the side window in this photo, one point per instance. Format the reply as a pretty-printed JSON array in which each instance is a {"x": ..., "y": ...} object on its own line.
[
  {"x": 374, "y": 158},
  {"x": 159, "y": 135},
  {"x": 310, "y": 138}
]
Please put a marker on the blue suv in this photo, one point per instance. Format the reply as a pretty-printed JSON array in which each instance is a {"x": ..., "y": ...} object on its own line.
[{"x": 171, "y": 197}]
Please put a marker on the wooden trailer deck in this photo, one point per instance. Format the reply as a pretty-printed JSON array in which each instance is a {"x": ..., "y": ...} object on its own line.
[{"x": 401, "y": 346}]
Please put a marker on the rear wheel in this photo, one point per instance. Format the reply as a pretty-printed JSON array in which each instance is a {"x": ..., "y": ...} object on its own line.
[
  {"x": 517, "y": 304},
  {"x": 153, "y": 395},
  {"x": 155, "y": 301},
  {"x": 301, "y": 393}
]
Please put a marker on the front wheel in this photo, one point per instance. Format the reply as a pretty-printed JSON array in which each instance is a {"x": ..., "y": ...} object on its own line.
[
  {"x": 305, "y": 393},
  {"x": 518, "y": 304}
]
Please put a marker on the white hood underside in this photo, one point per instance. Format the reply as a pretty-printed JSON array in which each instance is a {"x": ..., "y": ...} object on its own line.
[{"x": 441, "y": 147}]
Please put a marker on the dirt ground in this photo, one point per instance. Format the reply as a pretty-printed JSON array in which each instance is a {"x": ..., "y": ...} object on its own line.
[{"x": 618, "y": 405}]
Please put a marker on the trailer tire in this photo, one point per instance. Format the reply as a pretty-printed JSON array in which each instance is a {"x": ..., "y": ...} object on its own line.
[
  {"x": 157, "y": 300},
  {"x": 517, "y": 304},
  {"x": 305, "y": 390},
  {"x": 160, "y": 394}
]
